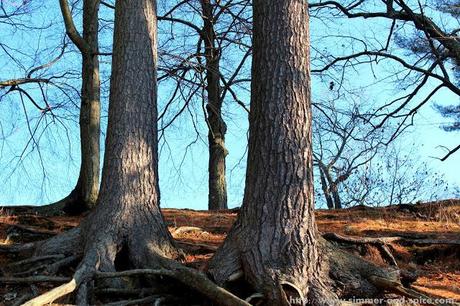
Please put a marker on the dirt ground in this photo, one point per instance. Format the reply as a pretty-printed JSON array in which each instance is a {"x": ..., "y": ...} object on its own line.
[{"x": 199, "y": 233}]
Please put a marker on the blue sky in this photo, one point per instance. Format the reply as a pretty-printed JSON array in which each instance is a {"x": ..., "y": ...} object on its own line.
[{"x": 35, "y": 179}]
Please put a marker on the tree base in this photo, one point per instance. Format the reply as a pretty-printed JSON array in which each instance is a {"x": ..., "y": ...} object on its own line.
[
  {"x": 337, "y": 276},
  {"x": 72, "y": 205},
  {"x": 340, "y": 274}
]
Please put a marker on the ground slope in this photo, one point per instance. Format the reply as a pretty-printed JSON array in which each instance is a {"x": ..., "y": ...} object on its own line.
[{"x": 429, "y": 244}]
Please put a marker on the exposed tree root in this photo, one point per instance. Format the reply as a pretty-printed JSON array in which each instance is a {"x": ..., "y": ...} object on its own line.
[
  {"x": 350, "y": 276},
  {"x": 386, "y": 240},
  {"x": 368, "y": 280},
  {"x": 17, "y": 248},
  {"x": 99, "y": 263},
  {"x": 175, "y": 270},
  {"x": 52, "y": 295},
  {"x": 186, "y": 229},
  {"x": 186, "y": 276},
  {"x": 33, "y": 279},
  {"x": 49, "y": 268},
  {"x": 344, "y": 274},
  {"x": 341, "y": 273},
  {"x": 155, "y": 299},
  {"x": 53, "y": 268},
  {"x": 35, "y": 260},
  {"x": 125, "y": 291},
  {"x": 198, "y": 246},
  {"x": 380, "y": 243},
  {"x": 33, "y": 230}
]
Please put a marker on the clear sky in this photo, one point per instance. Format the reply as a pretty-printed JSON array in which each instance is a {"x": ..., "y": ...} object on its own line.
[{"x": 47, "y": 171}]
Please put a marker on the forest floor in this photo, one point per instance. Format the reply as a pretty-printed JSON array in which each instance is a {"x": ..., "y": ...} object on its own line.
[{"x": 199, "y": 233}]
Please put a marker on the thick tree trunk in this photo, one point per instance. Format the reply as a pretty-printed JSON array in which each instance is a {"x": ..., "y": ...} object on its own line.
[
  {"x": 274, "y": 240},
  {"x": 128, "y": 212},
  {"x": 127, "y": 216},
  {"x": 217, "y": 197}
]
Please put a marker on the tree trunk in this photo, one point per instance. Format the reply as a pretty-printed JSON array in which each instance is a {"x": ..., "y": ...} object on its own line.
[
  {"x": 127, "y": 216},
  {"x": 86, "y": 190},
  {"x": 128, "y": 204},
  {"x": 83, "y": 197},
  {"x": 336, "y": 195},
  {"x": 325, "y": 188},
  {"x": 274, "y": 240},
  {"x": 217, "y": 197}
]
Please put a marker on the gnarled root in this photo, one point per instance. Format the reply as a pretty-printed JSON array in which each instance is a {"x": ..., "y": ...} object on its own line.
[
  {"x": 98, "y": 267},
  {"x": 93, "y": 263},
  {"x": 280, "y": 280},
  {"x": 336, "y": 274}
]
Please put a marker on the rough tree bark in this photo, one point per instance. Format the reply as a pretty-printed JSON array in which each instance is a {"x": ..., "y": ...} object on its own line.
[
  {"x": 274, "y": 239},
  {"x": 127, "y": 215},
  {"x": 217, "y": 197},
  {"x": 83, "y": 197},
  {"x": 275, "y": 242}
]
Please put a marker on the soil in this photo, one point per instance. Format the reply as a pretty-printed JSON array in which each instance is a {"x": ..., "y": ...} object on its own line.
[{"x": 199, "y": 233}]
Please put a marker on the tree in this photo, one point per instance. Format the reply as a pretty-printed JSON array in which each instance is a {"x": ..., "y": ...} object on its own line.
[
  {"x": 217, "y": 127},
  {"x": 428, "y": 30},
  {"x": 279, "y": 183},
  {"x": 128, "y": 214},
  {"x": 274, "y": 242},
  {"x": 343, "y": 143},
  {"x": 199, "y": 67},
  {"x": 84, "y": 195},
  {"x": 395, "y": 176}
]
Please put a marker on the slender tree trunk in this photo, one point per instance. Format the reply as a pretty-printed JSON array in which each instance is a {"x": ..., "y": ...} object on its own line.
[
  {"x": 274, "y": 240},
  {"x": 325, "y": 188},
  {"x": 332, "y": 191},
  {"x": 86, "y": 190},
  {"x": 217, "y": 197},
  {"x": 336, "y": 195},
  {"x": 83, "y": 197}
]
